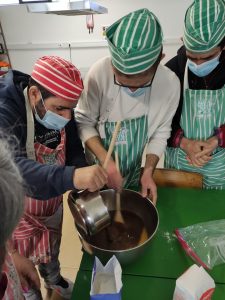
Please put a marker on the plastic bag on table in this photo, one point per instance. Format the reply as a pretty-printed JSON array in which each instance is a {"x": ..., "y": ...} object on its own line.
[{"x": 204, "y": 242}]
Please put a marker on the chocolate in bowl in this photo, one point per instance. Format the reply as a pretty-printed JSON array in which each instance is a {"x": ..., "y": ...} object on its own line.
[
  {"x": 120, "y": 236},
  {"x": 125, "y": 241}
]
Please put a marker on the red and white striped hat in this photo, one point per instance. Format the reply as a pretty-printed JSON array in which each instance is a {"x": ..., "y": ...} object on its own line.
[{"x": 59, "y": 77}]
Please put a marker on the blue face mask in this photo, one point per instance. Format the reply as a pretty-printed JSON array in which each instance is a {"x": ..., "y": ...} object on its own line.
[
  {"x": 205, "y": 68},
  {"x": 136, "y": 93},
  {"x": 51, "y": 120}
]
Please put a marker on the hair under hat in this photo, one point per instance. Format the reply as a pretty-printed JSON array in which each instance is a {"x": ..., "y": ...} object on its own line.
[
  {"x": 204, "y": 26},
  {"x": 135, "y": 41},
  {"x": 59, "y": 77}
]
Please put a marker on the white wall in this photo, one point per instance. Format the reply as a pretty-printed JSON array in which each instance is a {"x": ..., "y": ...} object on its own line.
[{"x": 30, "y": 36}]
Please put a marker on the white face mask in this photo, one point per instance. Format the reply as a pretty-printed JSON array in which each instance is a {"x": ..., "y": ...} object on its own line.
[
  {"x": 205, "y": 68},
  {"x": 51, "y": 120},
  {"x": 138, "y": 92}
]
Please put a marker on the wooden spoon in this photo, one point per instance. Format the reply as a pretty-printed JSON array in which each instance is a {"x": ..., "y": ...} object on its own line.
[
  {"x": 118, "y": 215},
  {"x": 112, "y": 144}
]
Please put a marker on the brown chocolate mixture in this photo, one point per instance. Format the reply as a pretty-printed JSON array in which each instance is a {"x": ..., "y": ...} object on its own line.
[{"x": 120, "y": 236}]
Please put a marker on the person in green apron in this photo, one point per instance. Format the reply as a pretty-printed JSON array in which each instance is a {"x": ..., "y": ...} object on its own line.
[
  {"x": 128, "y": 86},
  {"x": 197, "y": 141}
]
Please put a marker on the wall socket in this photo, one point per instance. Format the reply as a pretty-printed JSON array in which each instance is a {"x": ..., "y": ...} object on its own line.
[{"x": 104, "y": 28}]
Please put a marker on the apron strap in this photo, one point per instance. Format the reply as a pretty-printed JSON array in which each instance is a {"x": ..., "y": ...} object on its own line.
[
  {"x": 30, "y": 128},
  {"x": 186, "y": 84}
]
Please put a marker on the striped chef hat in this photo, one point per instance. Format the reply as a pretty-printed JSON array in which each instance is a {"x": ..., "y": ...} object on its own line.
[
  {"x": 204, "y": 25},
  {"x": 135, "y": 41},
  {"x": 59, "y": 77}
]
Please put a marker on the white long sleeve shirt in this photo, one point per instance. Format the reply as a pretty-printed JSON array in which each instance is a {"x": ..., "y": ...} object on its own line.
[{"x": 102, "y": 100}]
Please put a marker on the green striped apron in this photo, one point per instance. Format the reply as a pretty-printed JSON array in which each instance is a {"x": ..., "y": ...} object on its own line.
[
  {"x": 130, "y": 144},
  {"x": 202, "y": 111}
]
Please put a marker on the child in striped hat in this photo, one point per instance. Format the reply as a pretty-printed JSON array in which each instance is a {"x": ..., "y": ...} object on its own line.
[
  {"x": 130, "y": 86},
  {"x": 38, "y": 110},
  {"x": 198, "y": 136}
]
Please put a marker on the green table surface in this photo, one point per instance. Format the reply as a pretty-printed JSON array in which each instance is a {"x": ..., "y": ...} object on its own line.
[
  {"x": 165, "y": 258},
  {"x": 137, "y": 287}
]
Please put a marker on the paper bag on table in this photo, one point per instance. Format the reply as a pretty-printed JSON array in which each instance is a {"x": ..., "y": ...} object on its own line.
[
  {"x": 106, "y": 280},
  {"x": 194, "y": 284}
]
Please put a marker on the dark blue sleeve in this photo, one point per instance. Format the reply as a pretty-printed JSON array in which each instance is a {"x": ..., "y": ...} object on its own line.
[
  {"x": 45, "y": 181},
  {"x": 41, "y": 181}
]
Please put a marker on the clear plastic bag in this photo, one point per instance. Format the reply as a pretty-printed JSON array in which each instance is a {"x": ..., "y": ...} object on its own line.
[{"x": 204, "y": 242}]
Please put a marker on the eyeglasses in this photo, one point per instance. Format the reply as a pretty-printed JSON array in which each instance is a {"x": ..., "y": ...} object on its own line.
[{"x": 133, "y": 87}]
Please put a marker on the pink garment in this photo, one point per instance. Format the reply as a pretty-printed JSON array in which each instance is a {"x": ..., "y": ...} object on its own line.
[
  {"x": 10, "y": 285},
  {"x": 32, "y": 238}
]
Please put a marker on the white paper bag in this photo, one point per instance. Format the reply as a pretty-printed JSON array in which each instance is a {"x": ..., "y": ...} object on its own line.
[
  {"x": 106, "y": 280},
  {"x": 194, "y": 284}
]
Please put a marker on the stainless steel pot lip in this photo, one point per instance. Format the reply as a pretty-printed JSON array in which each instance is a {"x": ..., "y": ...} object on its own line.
[{"x": 127, "y": 250}]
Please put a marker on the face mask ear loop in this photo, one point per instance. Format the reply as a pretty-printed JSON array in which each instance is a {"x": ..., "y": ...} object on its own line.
[
  {"x": 43, "y": 101},
  {"x": 35, "y": 110}
]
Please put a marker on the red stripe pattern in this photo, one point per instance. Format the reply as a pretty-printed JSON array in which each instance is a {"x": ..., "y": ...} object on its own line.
[
  {"x": 32, "y": 238},
  {"x": 59, "y": 77}
]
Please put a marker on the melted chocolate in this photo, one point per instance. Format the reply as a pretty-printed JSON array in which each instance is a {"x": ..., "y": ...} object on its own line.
[{"x": 120, "y": 236}]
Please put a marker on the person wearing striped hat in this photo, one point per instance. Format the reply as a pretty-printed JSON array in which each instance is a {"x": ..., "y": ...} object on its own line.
[
  {"x": 198, "y": 130},
  {"x": 38, "y": 110},
  {"x": 130, "y": 86}
]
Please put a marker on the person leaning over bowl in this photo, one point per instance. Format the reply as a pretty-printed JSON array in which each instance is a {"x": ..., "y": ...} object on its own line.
[
  {"x": 38, "y": 110},
  {"x": 16, "y": 272},
  {"x": 198, "y": 129},
  {"x": 133, "y": 87}
]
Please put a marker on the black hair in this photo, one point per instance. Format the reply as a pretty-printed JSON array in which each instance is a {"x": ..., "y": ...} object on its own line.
[
  {"x": 222, "y": 43},
  {"x": 156, "y": 63},
  {"x": 45, "y": 93}
]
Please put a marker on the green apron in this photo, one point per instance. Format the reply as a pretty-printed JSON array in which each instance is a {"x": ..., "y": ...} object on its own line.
[
  {"x": 202, "y": 111},
  {"x": 130, "y": 145}
]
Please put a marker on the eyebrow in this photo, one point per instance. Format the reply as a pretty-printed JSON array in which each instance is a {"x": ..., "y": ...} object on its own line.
[{"x": 63, "y": 107}]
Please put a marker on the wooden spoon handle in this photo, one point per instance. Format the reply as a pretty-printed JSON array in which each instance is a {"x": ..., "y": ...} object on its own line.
[
  {"x": 117, "y": 161},
  {"x": 112, "y": 143},
  {"x": 117, "y": 193}
]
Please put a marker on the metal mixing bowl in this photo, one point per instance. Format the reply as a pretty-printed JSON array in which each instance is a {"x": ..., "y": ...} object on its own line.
[{"x": 133, "y": 202}]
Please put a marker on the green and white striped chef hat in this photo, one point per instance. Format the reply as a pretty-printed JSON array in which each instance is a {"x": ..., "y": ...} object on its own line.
[
  {"x": 204, "y": 26},
  {"x": 135, "y": 41}
]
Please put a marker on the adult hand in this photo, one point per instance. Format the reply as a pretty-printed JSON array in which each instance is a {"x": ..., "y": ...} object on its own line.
[
  {"x": 115, "y": 179},
  {"x": 212, "y": 144},
  {"x": 149, "y": 187},
  {"x": 91, "y": 178},
  {"x": 27, "y": 272},
  {"x": 196, "y": 155}
]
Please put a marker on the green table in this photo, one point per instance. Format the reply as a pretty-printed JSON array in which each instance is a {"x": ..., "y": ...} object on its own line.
[
  {"x": 165, "y": 260},
  {"x": 137, "y": 287}
]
